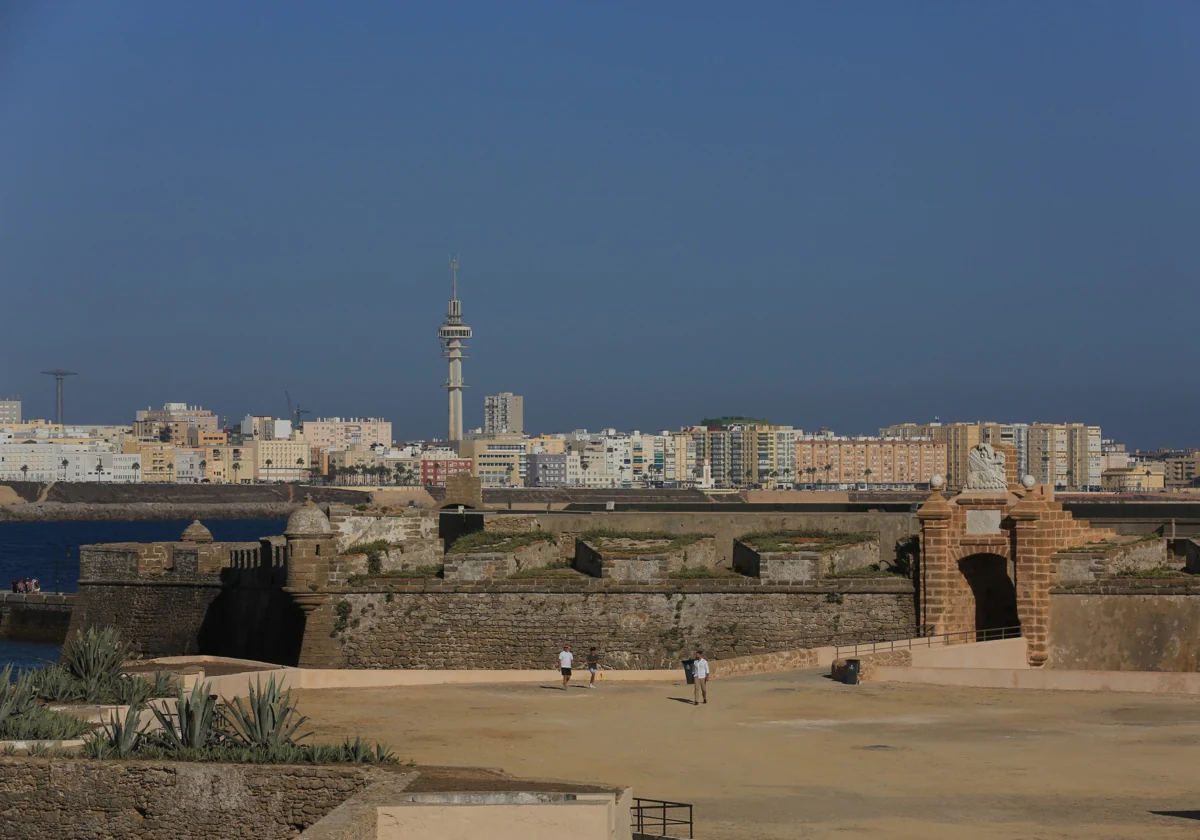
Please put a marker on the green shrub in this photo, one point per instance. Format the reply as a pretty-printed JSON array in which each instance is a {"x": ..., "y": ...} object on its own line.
[
  {"x": 268, "y": 718},
  {"x": 118, "y": 736},
  {"x": 131, "y": 690},
  {"x": 17, "y": 696},
  {"x": 42, "y": 724},
  {"x": 803, "y": 540},
  {"x": 493, "y": 542}
]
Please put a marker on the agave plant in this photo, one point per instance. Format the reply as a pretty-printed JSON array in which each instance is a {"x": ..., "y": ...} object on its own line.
[
  {"x": 268, "y": 718},
  {"x": 193, "y": 726},
  {"x": 165, "y": 684},
  {"x": 357, "y": 751},
  {"x": 94, "y": 659},
  {"x": 123, "y": 736},
  {"x": 131, "y": 691},
  {"x": 16, "y": 696},
  {"x": 53, "y": 682}
]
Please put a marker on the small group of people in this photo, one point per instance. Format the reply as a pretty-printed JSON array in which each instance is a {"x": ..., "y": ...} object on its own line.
[
  {"x": 26, "y": 585},
  {"x": 698, "y": 666}
]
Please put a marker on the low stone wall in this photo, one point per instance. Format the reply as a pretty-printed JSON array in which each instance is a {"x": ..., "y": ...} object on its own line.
[
  {"x": 1101, "y": 561},
  {"x": 491, "y": 565},
  {"x": 413, "y": 534},
  {"x": 803, "y": 566},
  {"x": 523, "y": 623},
  {"x": 1126, "y": 625},
  {"x": 766, "y": 663},
  {"x": 868, "y": 662},
  {"x": 628, "y": 565},
  {"x": 133, "y": 800},
  {"x": 35, "y": 618}
]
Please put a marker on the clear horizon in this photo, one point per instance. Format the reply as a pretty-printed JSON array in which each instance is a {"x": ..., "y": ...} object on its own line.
[{"x": 819, "y": 214}]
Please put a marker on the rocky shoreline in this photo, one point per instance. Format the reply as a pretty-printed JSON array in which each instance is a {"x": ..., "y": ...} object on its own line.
[{"x": 83, "y": 512}]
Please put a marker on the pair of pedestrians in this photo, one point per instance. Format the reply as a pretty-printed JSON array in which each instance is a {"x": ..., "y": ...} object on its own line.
[
  {"x": 700, "y": 672},
  {"x": 566, "y": 659}
]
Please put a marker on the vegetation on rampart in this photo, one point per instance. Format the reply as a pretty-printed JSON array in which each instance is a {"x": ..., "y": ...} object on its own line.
[
  {"x": 561, "y": 569},
  {"x": 602, "y": 537},
  {"x": 804, "y": 540},
  {"x": 701, "y": 573},
  {"x": 1160, "y": 572},
  {"x": 495, "y": 542}
]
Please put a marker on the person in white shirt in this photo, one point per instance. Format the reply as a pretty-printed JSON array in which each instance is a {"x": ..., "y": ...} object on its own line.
[
  {"x": 565, "y": 658},
  {"x": 700, "y": 678}
]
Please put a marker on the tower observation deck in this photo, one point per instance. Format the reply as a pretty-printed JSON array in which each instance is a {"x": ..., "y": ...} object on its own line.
[{"x": 454, "y": 334}]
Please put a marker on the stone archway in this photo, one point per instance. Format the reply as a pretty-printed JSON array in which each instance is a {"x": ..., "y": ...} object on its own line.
[
  {"x": 978, "y": 544},
  {"x": 993, "y": 591}
]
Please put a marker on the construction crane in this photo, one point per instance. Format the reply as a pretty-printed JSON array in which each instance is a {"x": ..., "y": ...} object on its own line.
[{"x": 295, "y": 411}]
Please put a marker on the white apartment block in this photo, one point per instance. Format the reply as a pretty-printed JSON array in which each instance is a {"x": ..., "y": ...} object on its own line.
[{"x": 47, "y": 462}]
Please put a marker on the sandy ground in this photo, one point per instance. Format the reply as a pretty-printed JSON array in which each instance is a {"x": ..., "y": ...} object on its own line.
[{"x": 797, "y": 755}]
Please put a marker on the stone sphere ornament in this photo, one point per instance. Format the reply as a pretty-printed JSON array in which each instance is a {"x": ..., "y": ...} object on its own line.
[
  {"x": 1027, "y": 482},
  {"x": 937, "y": 482}
]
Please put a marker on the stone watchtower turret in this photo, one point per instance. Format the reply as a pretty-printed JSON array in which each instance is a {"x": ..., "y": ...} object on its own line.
[{"x": 310, "y": 543}]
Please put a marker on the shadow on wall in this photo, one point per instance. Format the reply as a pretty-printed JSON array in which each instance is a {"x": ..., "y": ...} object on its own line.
[
  {"x": 260, "y": 623},
  {"x": 993, "y": 590}
]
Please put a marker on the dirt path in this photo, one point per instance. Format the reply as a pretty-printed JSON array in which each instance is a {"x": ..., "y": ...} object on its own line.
[{"x": 796, "y": 755}]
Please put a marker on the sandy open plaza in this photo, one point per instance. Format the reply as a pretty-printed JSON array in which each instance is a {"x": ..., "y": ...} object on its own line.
[{"x": 797, "y": 755}]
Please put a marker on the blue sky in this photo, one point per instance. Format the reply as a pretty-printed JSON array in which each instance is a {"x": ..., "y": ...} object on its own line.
[{"x": 823, "y": 213}]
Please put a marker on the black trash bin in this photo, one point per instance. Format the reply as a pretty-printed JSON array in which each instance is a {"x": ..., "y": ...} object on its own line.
[
  {"x": 688, "y": 665},
  {"x": 852, "y": 666}
]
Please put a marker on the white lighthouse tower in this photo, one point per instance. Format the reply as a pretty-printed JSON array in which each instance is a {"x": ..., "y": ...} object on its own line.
[{"x": 454, "y": 335}]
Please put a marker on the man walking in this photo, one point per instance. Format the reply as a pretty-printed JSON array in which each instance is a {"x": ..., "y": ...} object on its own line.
[
  {"x": 565, "y": 658},
  {"x": 700, "y": 678},
  {"x": 593, "y": 663}
]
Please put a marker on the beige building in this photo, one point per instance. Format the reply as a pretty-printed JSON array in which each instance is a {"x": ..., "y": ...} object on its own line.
[
  {"x": 495, "y": 459},
  {"x": 1067, "y": 456},
  {"x": 157, "y": 459},
  {"x": 868, "y": 461},
  {"x": 197, "y": 437},
  {"x": 228, "y": 464},
  {"x": 1138, "y": 477},
  {"x": 546, "y": 445},
  {"x": 340, "y": 433},
  {"x": 171, "y": 424},
  {"x": 282, "y": 460}
]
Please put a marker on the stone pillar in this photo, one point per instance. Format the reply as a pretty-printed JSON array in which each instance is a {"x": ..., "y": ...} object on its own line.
[
  {"x": 318, "y": 649},
  {"x": 1034, "y": 549},
  {"x": 936, "y": 572}
]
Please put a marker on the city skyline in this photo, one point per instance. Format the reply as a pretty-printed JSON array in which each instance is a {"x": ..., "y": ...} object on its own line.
[{"x": 831, "y": 225}]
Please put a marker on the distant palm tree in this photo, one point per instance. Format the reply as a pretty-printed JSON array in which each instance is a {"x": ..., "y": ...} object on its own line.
[
  {"x": 828, "y": 467},
  {"x": 137, "y": 468},
  {"x": 867, "y": 475},
  {"x": 24, "y": 470},
  {"x": 237, "y": 468}
]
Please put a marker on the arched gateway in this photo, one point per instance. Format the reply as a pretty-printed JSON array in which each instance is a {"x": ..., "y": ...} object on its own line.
[{"x": 987, "y": 554}]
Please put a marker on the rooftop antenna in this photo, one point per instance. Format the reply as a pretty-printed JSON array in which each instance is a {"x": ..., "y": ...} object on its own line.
[{"x": 58, "y": 380}]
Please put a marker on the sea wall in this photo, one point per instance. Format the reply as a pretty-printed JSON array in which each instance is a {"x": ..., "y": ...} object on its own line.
[
  {"x": 523, "y": 623},
  {"x": 132, "y": 800},
  {"x": 1126, "y": 625},
  {"x": 35, "y": 618}
]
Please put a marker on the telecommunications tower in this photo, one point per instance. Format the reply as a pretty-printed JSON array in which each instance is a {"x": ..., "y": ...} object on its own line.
[{"x": 454, "y": 334}]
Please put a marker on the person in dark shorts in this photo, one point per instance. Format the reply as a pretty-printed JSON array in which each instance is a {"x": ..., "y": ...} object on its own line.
[
  {"x": 565, "y": 658},
  {"x": 593, "y": 663}
]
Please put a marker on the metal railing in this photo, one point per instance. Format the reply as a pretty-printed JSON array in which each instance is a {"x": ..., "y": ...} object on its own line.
[
  {"x": 962, "y": 636},
  {"x": 652, "y": 818}
]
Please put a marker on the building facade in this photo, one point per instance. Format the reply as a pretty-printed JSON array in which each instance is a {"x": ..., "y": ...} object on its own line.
[
  {"x": 336, "y": 432},
  {"x": 504, "y": 414},
  {"x": 546, "y": 470},
  {"x": 10, "y": 411},
  {"x": 869, "y": 461}
]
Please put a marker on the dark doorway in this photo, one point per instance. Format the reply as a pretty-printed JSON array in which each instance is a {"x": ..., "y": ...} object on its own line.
[{"x": 995, "y": 595}]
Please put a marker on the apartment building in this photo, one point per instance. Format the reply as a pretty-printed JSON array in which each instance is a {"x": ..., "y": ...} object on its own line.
[
  {"x": 336, "y": 432},
  {"x": 47, "y": 462},
  {"x": 157, "y": 459},
  {"x": 546, "y": 470},
  {"x": 10, "y": 411},
  {"x": 282, "y": 460},
  {"x": 497, "y": 460},
  {"x": 171, "y": 424},
  {"x": 840, "y": 461},
  {"x": 1067, "y": 456},
  {"x": 1138, "y": 477},
  {"x": 437, "y": 465},
  {"x": 504, "y": 414}
]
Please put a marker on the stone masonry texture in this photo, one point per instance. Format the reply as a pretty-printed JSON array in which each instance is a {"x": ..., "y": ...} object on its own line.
[
  {"x": 635, "y": 626},
  {"x": 43, "y": 799}
]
